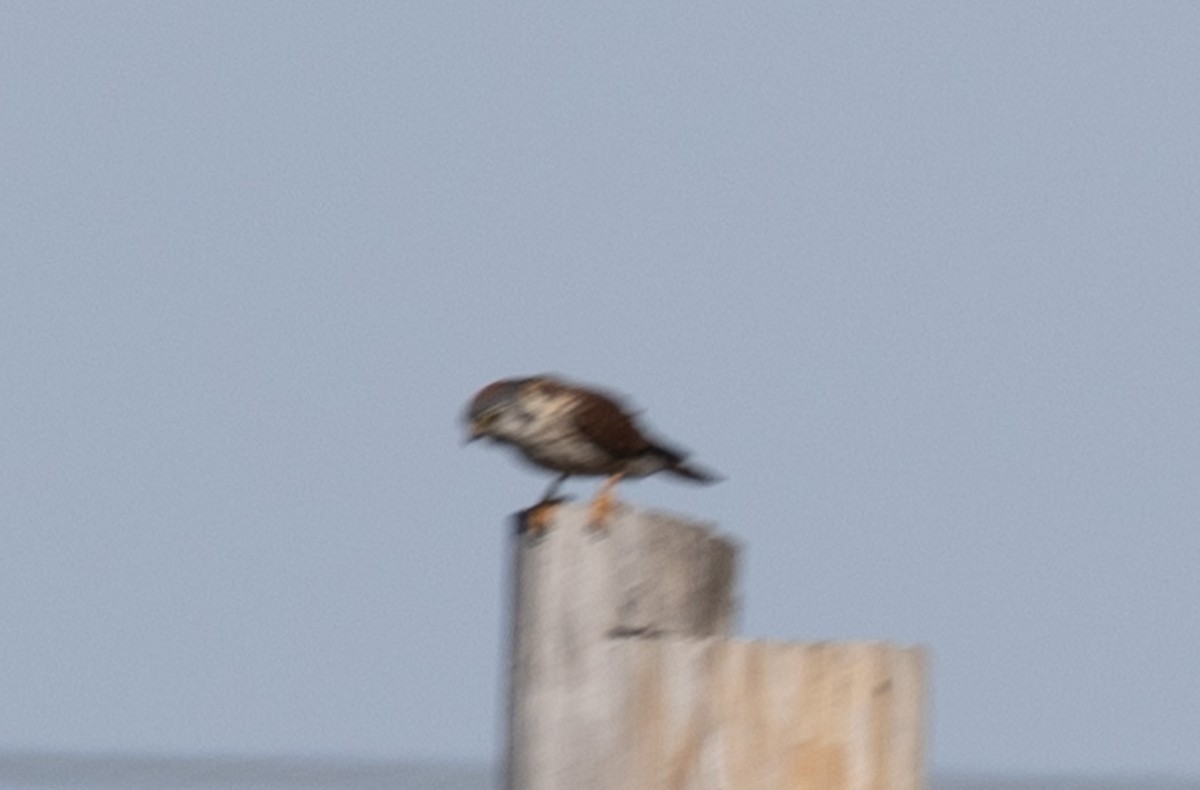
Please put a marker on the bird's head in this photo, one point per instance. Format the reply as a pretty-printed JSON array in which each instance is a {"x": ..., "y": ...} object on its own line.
[
  {"x": 504, "y": 409},
  {"x": 488, "y": 407}
]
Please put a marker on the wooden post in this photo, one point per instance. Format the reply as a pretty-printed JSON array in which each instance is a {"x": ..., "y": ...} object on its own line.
[
  {"x": 624, "y": 677},
  {"x": 578, "y": 596}
]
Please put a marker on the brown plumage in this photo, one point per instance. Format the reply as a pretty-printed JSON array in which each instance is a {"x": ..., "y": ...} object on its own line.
[{"x": 572, "y": 430}]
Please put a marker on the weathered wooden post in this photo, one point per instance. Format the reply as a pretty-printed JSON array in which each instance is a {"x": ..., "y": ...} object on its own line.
[
  {"x": 623, "y": 675},
  {"x": 578, "y": 597}
]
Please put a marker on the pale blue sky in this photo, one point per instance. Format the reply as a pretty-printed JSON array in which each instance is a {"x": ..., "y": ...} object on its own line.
[{"x": 922, "y": 280}]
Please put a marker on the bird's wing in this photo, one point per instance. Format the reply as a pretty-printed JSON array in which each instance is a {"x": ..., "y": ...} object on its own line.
[{"x": 605, "y": 424}]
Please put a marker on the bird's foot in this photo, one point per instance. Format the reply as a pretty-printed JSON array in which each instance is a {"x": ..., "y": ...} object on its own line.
[
  {"x": 599, "y": 514},
  {"x": 601, "y": 509},
  {"x": 535, "y": 520}
]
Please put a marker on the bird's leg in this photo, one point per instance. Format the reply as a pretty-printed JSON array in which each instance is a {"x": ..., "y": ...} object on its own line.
[
  {"x": 604, "y": 503},
  {"x": 553, "y": 489},
  {"x": 537, "y": 519}
]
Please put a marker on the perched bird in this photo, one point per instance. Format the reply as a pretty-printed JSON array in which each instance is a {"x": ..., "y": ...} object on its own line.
[{"x": 572, "y": 430}]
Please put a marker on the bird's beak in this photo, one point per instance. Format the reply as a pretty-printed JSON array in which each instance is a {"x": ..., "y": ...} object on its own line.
[{"x": 473, "y": 433}]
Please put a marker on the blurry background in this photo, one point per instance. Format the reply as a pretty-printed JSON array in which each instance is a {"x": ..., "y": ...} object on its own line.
[{"x": 921, "y": 280}]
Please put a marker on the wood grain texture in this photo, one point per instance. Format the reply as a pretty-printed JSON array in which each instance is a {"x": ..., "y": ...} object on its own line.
[
  {"x": 579, "y": 599},
  {"x": 624, "y": 677}
]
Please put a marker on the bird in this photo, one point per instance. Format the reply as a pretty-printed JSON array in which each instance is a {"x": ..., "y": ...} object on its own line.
[{"x": 573, "y": 430}]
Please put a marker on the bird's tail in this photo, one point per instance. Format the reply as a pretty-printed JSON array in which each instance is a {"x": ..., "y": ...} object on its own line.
[
  {"x": 694, "y": 473},
  {"x": 677, "y": 464}
]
